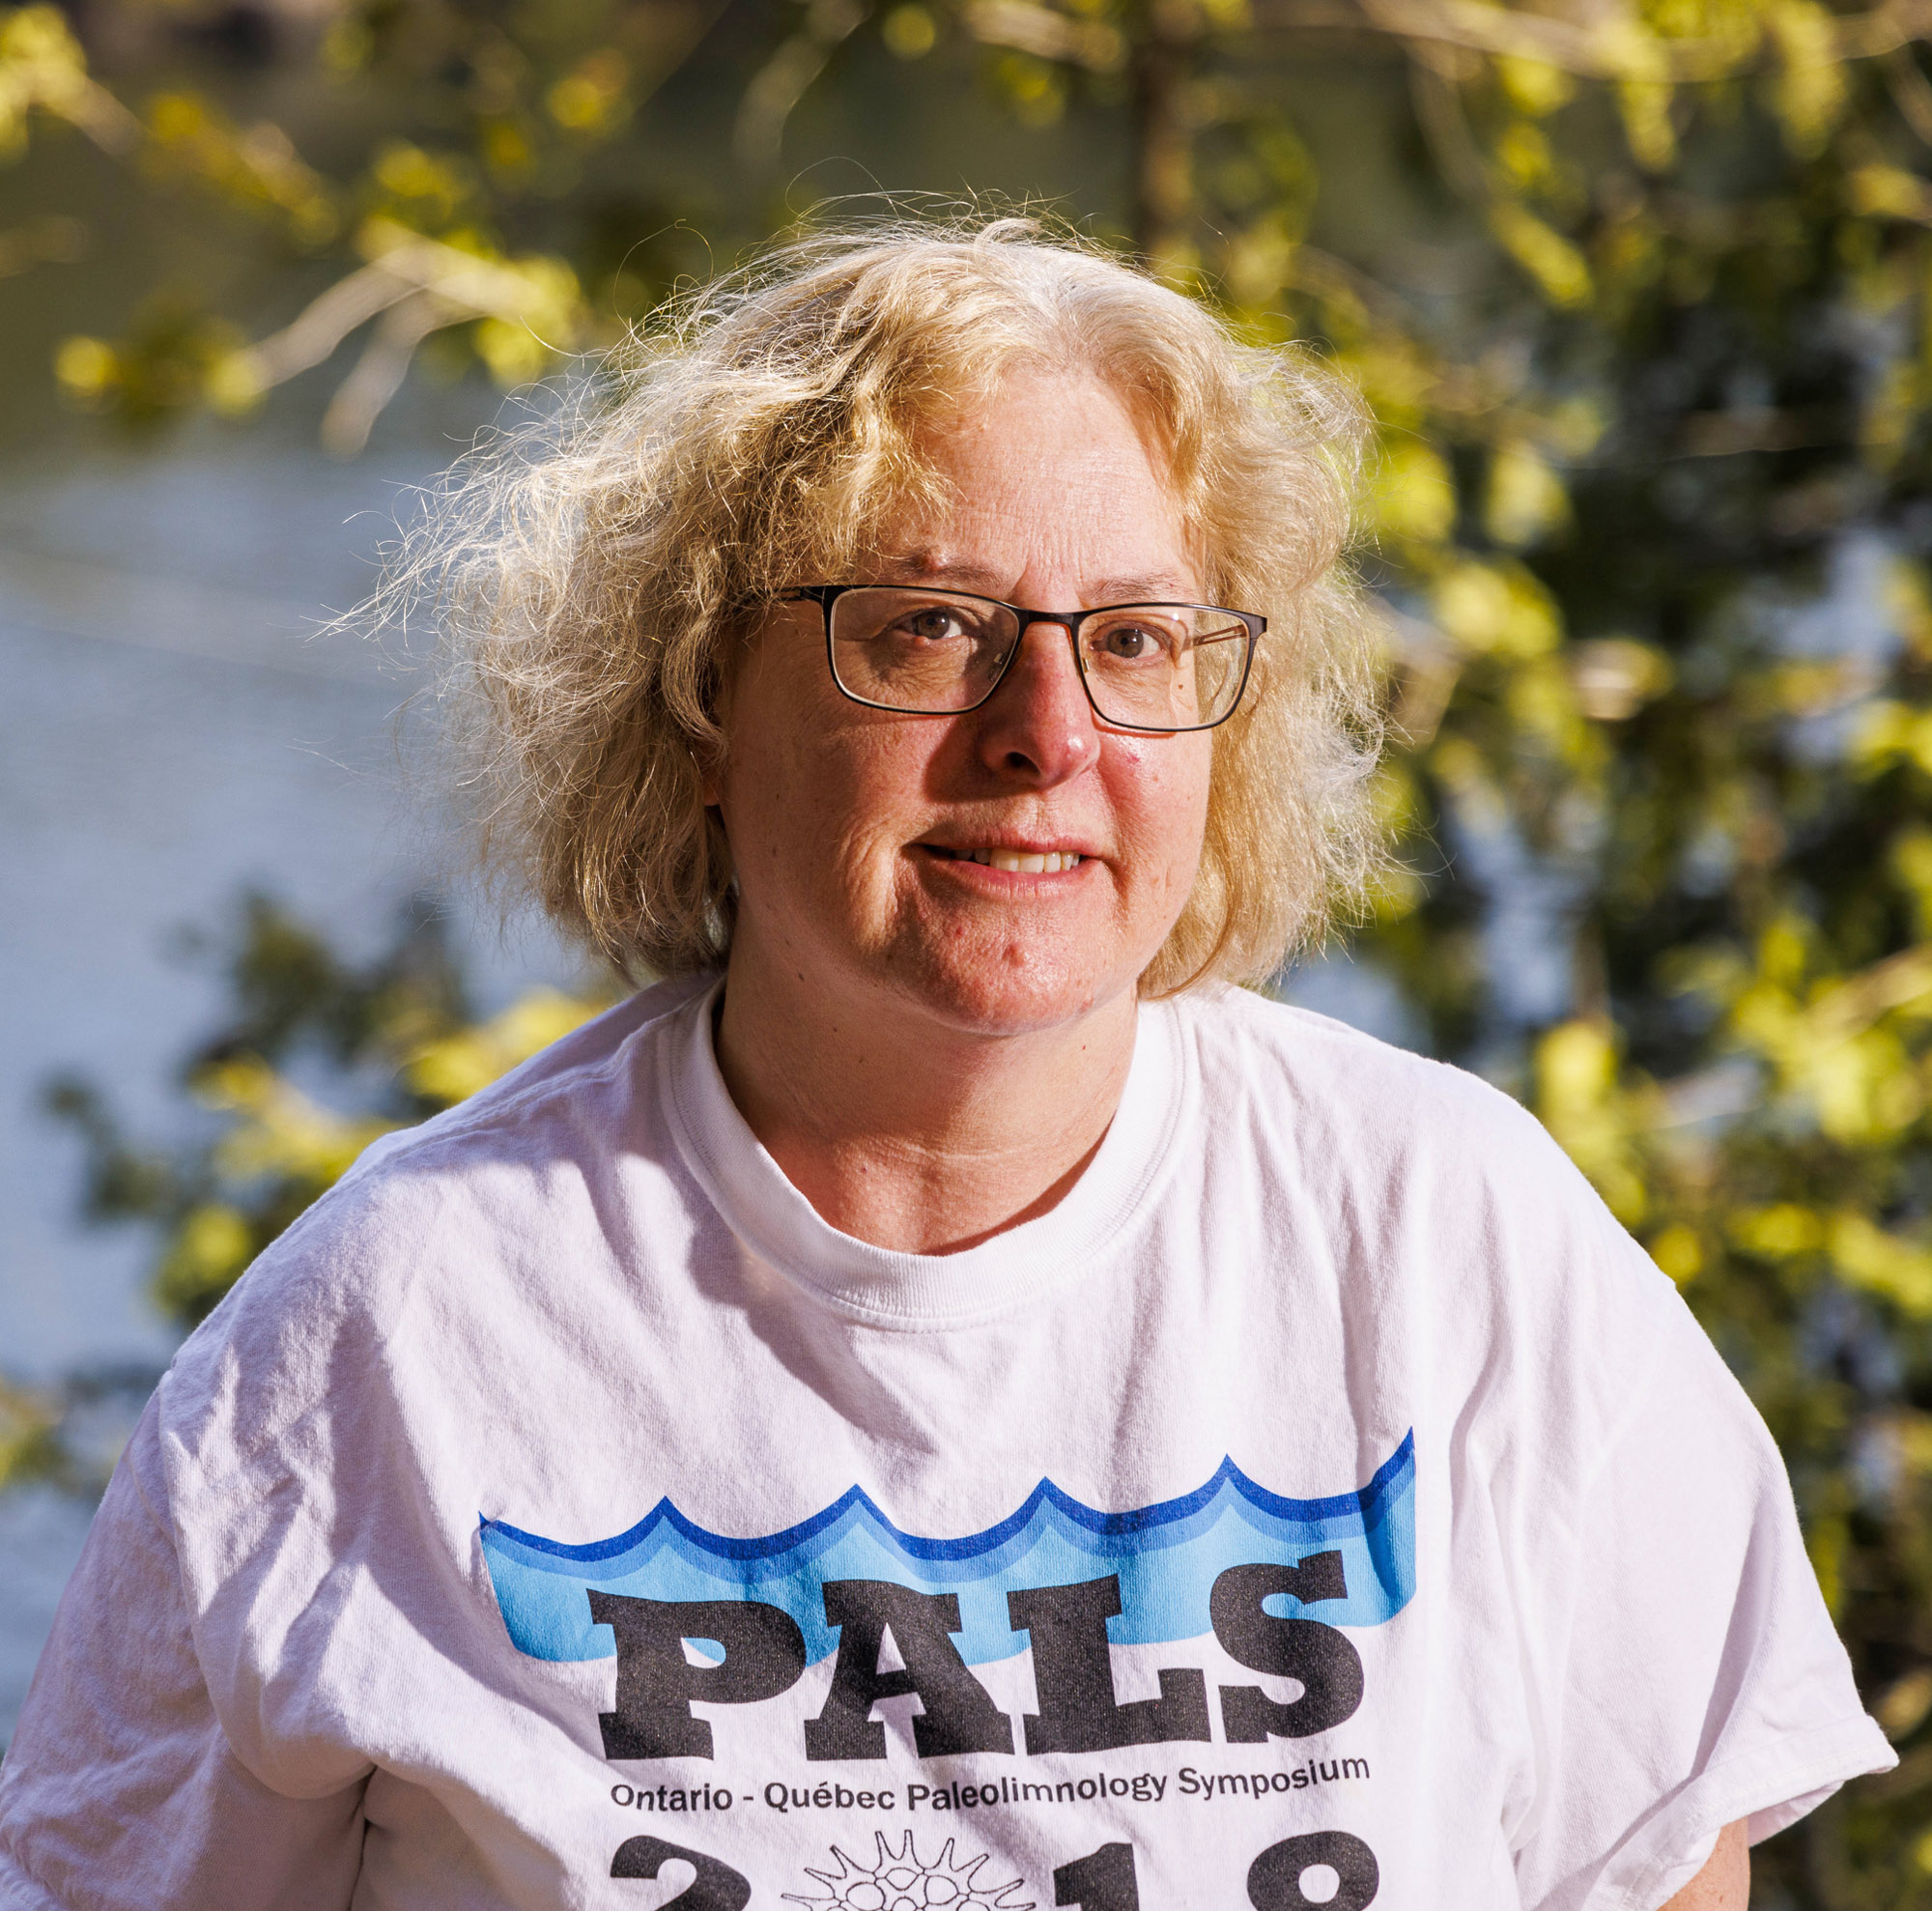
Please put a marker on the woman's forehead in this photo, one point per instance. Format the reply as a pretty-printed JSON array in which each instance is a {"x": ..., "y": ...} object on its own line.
[{"x": 1044, "y": 449}]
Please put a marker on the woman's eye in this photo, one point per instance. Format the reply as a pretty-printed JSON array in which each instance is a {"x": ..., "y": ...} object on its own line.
[
  {"x": 1130, "y": 643},
  {"x": 931, "y": 626}
]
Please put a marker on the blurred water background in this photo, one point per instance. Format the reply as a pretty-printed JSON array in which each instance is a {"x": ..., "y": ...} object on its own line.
[{"x": 175, "y": 729}]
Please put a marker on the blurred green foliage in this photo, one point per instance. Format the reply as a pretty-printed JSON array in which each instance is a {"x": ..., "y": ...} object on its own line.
[{"x": 1642, "y": 295}]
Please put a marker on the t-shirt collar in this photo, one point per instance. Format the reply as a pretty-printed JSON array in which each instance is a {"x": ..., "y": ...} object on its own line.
[{"x": 889, "y": 1288}]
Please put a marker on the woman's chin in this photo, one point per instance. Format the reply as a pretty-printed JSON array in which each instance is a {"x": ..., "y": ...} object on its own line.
[{"x": 1017, "y": 988}]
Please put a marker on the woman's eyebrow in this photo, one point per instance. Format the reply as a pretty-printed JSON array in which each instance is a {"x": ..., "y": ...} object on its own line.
[
  {"x": 920, "y": 567},
  {"x": 1162, "y": 587},
  {"x": 917, "y": 567}
]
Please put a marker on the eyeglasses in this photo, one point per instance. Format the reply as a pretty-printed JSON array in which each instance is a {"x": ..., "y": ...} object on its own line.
[{"x": 932, "y": 653}]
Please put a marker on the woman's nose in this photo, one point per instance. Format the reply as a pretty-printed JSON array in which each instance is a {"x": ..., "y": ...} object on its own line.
[{"x": 1039, "y": 726}]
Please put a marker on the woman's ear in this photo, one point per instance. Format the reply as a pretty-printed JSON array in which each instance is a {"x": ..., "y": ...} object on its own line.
[
  {"x": 707, "y": 759},
  {"x": 707, "y": 753}
]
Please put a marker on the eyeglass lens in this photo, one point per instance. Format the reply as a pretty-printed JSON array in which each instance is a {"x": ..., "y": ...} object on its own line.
[{"x": 1146, "y": 666}]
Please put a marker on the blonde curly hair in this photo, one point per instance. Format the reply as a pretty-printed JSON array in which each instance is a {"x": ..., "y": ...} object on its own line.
[{"x": 590, "y": 576}]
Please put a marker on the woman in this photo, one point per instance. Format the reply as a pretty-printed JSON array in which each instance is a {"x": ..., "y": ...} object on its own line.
[{"x": 967, "y": 1408}]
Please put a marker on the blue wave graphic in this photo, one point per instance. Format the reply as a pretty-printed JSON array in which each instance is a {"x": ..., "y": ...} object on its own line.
[{"x": 1168, "y": 1556}]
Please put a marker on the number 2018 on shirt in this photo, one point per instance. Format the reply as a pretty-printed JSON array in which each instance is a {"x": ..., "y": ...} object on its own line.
[{"x": 1103, "y": 1880}]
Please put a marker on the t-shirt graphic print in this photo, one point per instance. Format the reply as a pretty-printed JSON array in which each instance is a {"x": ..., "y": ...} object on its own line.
[
  {"x": 1326, "y": 1502},
  {"x": 1008, "y": 1640}
]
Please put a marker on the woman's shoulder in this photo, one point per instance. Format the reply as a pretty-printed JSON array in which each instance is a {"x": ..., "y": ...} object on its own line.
[
  {"x": 1254, "y": 1046},
  {"x": 1437, "y": 1177},
  {"x": 433, "y": 1226},
  {"x": 555, "y": 1085},
  {"x": 1444, "y": 1227}
]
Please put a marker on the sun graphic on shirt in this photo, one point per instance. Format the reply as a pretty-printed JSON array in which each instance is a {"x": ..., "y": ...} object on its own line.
[{"x": 902, "y": 1881}]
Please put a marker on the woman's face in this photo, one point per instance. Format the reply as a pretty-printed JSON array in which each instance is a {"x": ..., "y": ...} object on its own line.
[{"x": 853, "y": 830}]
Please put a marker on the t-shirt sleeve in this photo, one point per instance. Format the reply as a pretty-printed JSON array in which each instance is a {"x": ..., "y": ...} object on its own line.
[
  {"x": 1694, "y": 1677},
  {"x": 120, "y": 1791}
]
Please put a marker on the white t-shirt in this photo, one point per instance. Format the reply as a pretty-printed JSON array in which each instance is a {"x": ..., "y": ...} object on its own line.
[{"x": 1326, "y": 1503}]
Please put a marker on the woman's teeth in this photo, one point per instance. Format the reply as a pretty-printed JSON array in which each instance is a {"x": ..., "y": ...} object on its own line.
[{"x": 1050, "y": 863}]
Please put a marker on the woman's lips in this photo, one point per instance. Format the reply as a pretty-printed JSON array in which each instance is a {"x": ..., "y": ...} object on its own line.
[{"x": 1016, "y": 862}]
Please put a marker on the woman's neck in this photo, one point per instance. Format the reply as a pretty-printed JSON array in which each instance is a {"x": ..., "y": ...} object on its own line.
[{"x": 909, "y": 1133}]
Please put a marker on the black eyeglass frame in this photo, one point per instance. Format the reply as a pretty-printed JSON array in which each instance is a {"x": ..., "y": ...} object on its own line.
[{"x": 826, "y": 595}]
